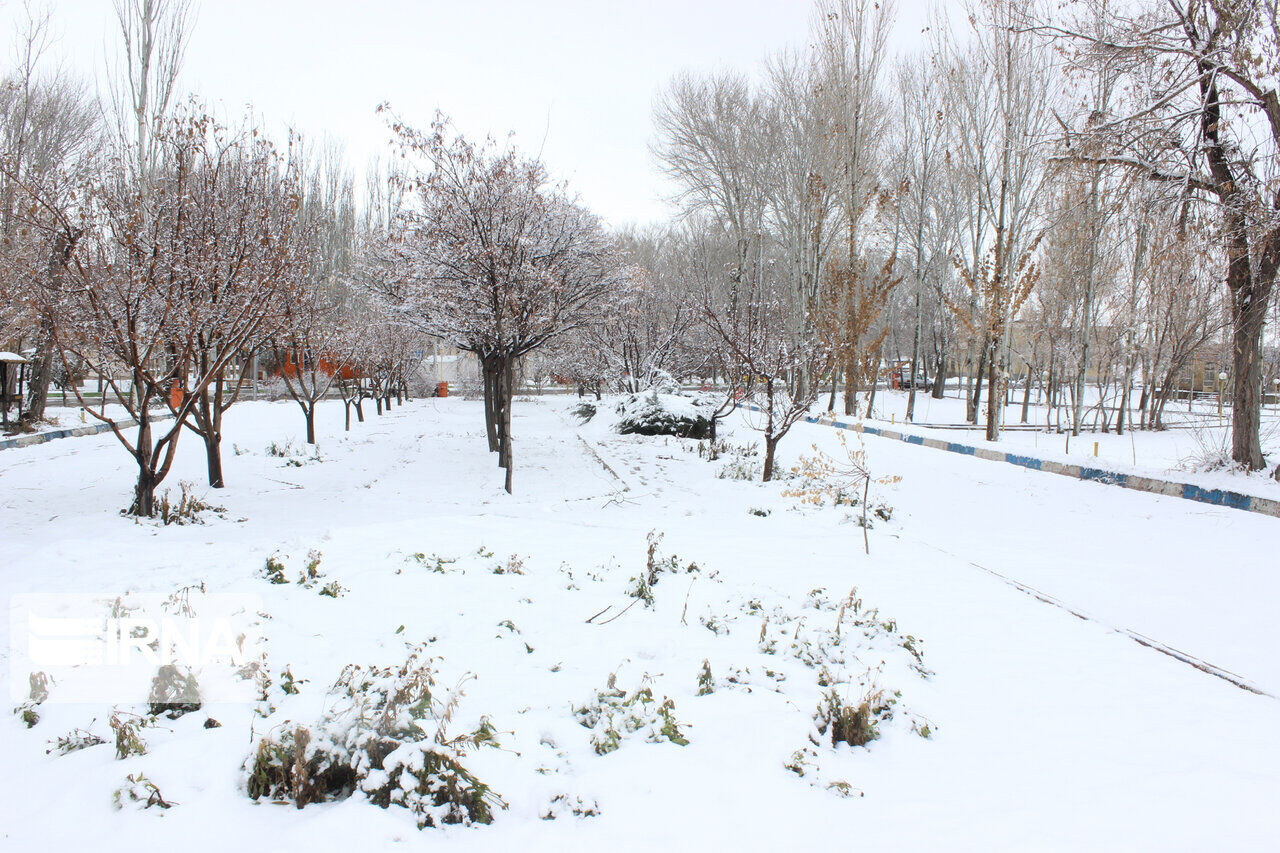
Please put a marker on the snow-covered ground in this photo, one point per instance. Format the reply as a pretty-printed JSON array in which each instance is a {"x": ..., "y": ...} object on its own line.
[
  {"x": 1048, "y": 731},
  {"x": 1180, "y": 452}
]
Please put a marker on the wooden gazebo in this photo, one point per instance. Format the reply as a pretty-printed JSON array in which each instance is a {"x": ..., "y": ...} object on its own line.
[{"x": 13, "y": 373}]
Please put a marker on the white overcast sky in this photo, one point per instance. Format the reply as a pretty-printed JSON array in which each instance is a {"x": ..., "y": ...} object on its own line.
[{"x": 579, "y": 74}]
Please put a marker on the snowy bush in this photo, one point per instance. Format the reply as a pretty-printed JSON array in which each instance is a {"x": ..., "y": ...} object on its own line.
[
  {"x": 583, "y": 412},
  {"x": 562, "y": 804},
  {"x": 74, "y": 741},
  {"x": 38, "y": 693},
  {"x": 140, "y": 791},
  {"x": 614, "y": 714},
  {"x": 739, "y": 469},
  {"x": 383, "y": 736},
  {"x": 128, "y": 741},
  {"x": 187, "y": 509},
  {"x": 652, "y": 413},
  {"x": 174, "y": 692},
  {"x": 855, "y": 723}
]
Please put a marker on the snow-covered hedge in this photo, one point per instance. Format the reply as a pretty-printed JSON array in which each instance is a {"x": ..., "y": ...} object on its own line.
[
  {"x": 654, "y": 413},
  {"x": 384, "y": 736}
]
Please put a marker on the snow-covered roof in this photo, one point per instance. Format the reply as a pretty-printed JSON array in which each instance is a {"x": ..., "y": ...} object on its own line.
[{"x": 11, "y": 357}]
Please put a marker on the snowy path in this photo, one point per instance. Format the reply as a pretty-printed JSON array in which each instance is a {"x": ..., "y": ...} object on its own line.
[
  {"x": 1052, "y": 733},
  {"x": 1194, "y": 577}
]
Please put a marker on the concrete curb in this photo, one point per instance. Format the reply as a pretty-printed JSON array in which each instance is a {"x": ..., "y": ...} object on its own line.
[
  {"x": 90, "y": 429},
  {"x": 1168, "y": 488}
]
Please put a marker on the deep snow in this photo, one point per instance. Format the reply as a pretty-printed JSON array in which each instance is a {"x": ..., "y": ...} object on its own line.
[{"x": 1050, "y": 732}]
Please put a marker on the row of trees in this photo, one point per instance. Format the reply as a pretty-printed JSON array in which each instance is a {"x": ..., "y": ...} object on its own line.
[
  {"x": 172, "y": 256},
  {"x": 1009, "y": 210},
  {"x": 1045, "y": 197}
]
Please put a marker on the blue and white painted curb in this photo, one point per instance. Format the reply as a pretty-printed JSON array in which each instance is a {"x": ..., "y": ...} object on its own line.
[
  {"x": 1169, "y": 488},
  {"x": 90, "y": 429}
]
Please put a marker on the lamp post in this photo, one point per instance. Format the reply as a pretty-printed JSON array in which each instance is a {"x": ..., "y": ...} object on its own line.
[
  {"x": 1276, "y": 382},
  {"x": 1222, "y": 382}
]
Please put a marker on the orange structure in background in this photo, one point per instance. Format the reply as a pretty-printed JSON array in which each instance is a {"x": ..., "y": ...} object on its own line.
[{"x": 290, "y": 368}]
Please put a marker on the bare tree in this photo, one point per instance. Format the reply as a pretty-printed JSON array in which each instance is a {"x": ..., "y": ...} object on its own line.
[
  {"x": 753, "y": 316},
  {"x": 49, "y": 133},
  {"x": 171, "y": 282},
  {"x": 241, "y": 265},
  {"x": 494, "y": 260},
  {"x": 153, "y": 43},
  {"x": 317, "y": 341},
  {"x": 1211, "y": 124}
]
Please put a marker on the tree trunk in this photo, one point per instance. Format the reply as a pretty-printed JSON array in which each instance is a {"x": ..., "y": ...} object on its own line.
[
  {"x": 507, "y": 387},
  {"x": 42, "y": 364},
  {"x": 1026, "y": 396},
  {"x": 993, "y": 397},
  {"x": 41, "y": 370},
  {"x": 915, "y": 361},
  {"x": 310, "y": 412},
  {"x": 144, "y": 494},
  {"x": 213, "y": 456},
  {"x": 875, "y": 381},
  {"x": 850, "y": 387},
  {"x": 770, "y": 447},
  {"x": 209, "y": 422},
  {"x": 488, "y": 369},
  {"x": 1248, "y": 311},
  {"x": 975, "y": 402}
]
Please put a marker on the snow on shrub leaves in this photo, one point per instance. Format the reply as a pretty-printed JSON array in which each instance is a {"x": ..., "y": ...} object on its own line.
[
  {"x": 614, "y": 715},
  {"x": 384, "y": 735},
  {"x": 652, "y": 413}
]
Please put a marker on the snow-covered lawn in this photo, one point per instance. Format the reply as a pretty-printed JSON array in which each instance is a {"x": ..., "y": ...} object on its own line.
[
  {"x": 1179, "y": 452},
  {"x": 1047, "y": 731}
]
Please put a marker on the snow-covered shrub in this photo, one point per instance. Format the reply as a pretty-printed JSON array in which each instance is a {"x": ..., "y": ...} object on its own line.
[
  {"x": 174, "y": 692},
  {"x": 652, "y": 413},
  {"x": 1213, "y": 450},
  {"x": 614, "y": 714},
  {"x": 289, "y": 682},
  {"x": 562, "y": 804},
  {"x": 273, "y": 570},
  {"x": 739, "y": 469},
  {"x": 311, "y": 571},
  {"x": 706, "y": 681},
  {"x": 39, "y": 691},
  {"x": 641, "y": 589},
  {"x": 188, "y": 509},
  {"x": 281, "y": 450},
  {"x": 128, "y": 741},
  {"x": 74, "y": 741},
  {"x": 583, "y": 411},
  {"x": 655, "y": 564},
  {"x": 383, "y": 736},
  {"x": 716, "y": 448},
  {"x": 856, "y": 724},
  {"x": 141, "y": 791},
  {"x": 434, "y": 562}
]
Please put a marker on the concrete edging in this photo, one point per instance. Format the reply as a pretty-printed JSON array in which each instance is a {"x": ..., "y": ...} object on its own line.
[
  {"x": 89, "y": 429},
  {"x": 1168, "y": 488}
]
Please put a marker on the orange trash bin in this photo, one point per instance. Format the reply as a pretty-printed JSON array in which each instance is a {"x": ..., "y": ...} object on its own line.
[{"x": 442, "y": 389}]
